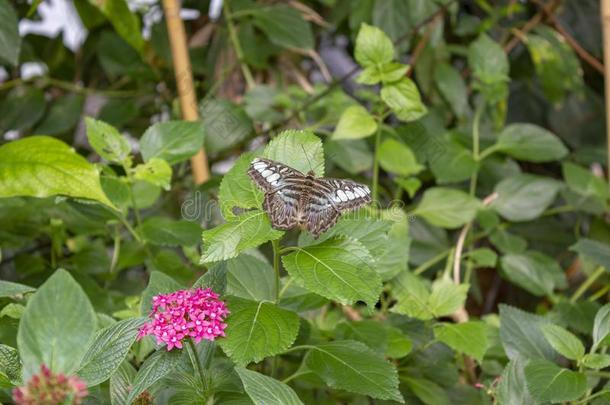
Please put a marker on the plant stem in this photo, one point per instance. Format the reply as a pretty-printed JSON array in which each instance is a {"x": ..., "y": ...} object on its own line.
[
  {"x": 558, "y": 210},
  {"x": 295, "y": 375},
  {"x": 192, "y": 352},
  {"x": 602, "y": 291},
  {"x": 116, "y": 249},
  {"x": 475, "y": 143},
  {"x": 237, "y": 46},
  {"x": 276, "y": 266},
  {"x": 587, "y": 399},
  {"x": 376, "y": 161},
  {"x": 285, "y": 287},
  {"x": 431, "y": 262},
  {"x": 587, "y": 283}
]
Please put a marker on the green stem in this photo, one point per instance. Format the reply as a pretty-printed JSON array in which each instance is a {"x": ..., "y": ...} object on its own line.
[
  {"x": 587, "y": 283},
  {"x": 295, "y": 375},
  {"x": 237, "y": 46},
  {"x": 602, "y": 291},
  {"x": 588, "y": 398},
  {"x": 475, "y": 144},
  {"x": 558, "y": 210},
  {"x": 276, "y": 266},
  {"x": 376, "y": 161},
  {"x": 117, "y": 249},
  {"x": 192, "y": 352},
  {"x": 285, "y": 287},
  {"x": 431, "y": 262},
  {"x": 600, "y": 374}
]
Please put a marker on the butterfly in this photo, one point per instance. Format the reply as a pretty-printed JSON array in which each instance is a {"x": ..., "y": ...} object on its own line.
[{"x": 296, "y": 199}]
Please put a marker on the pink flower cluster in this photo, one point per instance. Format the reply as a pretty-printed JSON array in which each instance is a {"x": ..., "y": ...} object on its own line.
[
  {"x": 197, "y": 314},
  {"x": 48, "y": 388}
]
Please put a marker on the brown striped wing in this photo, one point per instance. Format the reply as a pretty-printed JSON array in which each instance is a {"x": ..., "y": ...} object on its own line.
[{"x": 329, "y": 198}]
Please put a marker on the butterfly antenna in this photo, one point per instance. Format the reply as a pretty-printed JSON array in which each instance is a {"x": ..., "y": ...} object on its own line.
[{"x": 307, "y": 157}]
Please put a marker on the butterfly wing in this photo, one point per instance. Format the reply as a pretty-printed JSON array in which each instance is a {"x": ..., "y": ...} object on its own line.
[
  {"x": 279, "y": 182},
  {"x": 329, "y": 199}
]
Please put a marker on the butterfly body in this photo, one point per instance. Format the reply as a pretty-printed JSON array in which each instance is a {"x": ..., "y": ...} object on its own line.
[{"x": 296, "y": 199}]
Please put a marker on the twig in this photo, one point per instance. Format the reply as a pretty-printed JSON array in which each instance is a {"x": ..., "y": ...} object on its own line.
[
  {"x": 547, "y": 10},
  {"x": 184, "y": 82}
]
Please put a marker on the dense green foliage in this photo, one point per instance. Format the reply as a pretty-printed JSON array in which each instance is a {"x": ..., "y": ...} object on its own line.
[{"x": 478, "y": 276}]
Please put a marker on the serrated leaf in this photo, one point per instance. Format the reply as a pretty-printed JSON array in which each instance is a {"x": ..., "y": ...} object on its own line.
[
  {"x": 250, "y": 278},
  {"x": 532, "y": 271},
  {"x": 266, "y": 390},
  {"x": 355, "y": 123},
  {"x": 156, "y": 171},
  {"x": 512, "y": 389},
  {"x": 126, "y": 23},
  {"x": 398, "y": 158},
  {"x": 427, "y": 391},
  {"x": 168, "y": 232},
  {"x": 351, "y": 366},
  {"x": 284, "y": 26},
  {"x": 412, "y": 295},
  {"x": 563, "y": 341},
  {"x": 158, "y": 365},
  {"x": 525, "y": 196},
  {"x": 447, "y": 208},
  {"x": 10, "y": 365},
  {"x": 107, "y": 141},
  {"x": 243, "y": 232},
  {"x": 120, "y": 383},
  {"x": 548, "y": 382},
  {"x": 159, "y": 283},
  {"x": 373, "y": 46},
  {"x": 108, "y": 350},
  {"x": 52, "y": 331},
  {"x": 596, "y": 361},
  {"x": 522, "y": 336},
  {"x": 172, "y": 141},
  {"x": 601, "y": 327},
  {"x": 469, "y": 337},
  {"x": 338, "y": 268},
  {"x": 256, "y": 330},
  {"x": 447, "y": 297},
  {"x": 10, "y": 40},
  {"x": 10, "y": 289},
  {"x": 237, "y": 188},
  {"x": 215, "y": 278},
  {"x": 531, "y": 143},
  {"x": 404, "y": 99},
  {"x": 489, "y": 65},
  {"x": 41, "y": 166},
  {"x": 452, "y": 88},
  {"x": 301, "y": 150}
]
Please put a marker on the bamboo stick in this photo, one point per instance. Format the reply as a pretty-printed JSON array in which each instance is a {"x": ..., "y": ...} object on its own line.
[
  {"x": 605, "y": 8},
  {"x": 184, "y": 81}
]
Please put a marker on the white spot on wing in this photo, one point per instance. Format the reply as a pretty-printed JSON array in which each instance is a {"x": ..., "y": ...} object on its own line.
[
  {"x": 266, "y": 173},
  {"x": 341, "y": 195},
  {"x": 350, "y": 195},
  {"x": 273, "y": 178}
]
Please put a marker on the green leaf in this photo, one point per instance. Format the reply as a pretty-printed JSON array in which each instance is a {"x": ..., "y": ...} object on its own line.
[
  {"x": 386, "y": 73},
  {"x": 156, "y": 171},
  {"x": 532, "y": 271},
  {"x": 452, "y": 87},
  {"x": 298, "y": 299},
  {"x": 583, "y": 181},
  {"x": 483, "y": 257},
  {"x": 373, "y": 47},
  {"x": 370, "y": 332},
  {"x": 451, "y": 162},
  {"x": 10, "y": 366},
  {"x": 56, "y": 327},
  {"x": 521, "y": 334},
  {"x": 21, "y": 108},
  {"x": 63, "y": 115},
  {"x": 563, "y": 341},
  {"x": 395, "y": 18},
  {"x": 601, "y": 327},
  {"x": 107, "y": 141},
  {"x": 531, "y": 143},
  {"x": 593, "y": 250},
  {"x": 172, "y": 141},
  {"x": 266, "y": 390},
  {"x": 301, "y": 150},
  {"x": 404, "y": 100},
  {"x": 399, "y": 344},
  {"x": 339, "y": 269},
  {"x": 108, "y": 350},
  {"x": 215, "y": 278},
  {"x": 489, "y": 65},
  {"x": 427, "y": 391},
  {"x": 351, "y": 366},
  {"x": 126, "y": 23},
  {"x": 160, "y": 364},
  {"x": 159, "y": 283},
  {"x": 237, "y": 188},
  {"x": 410, "y": 185},
  {"x": 446, "y": 297},
  {"x": 352, "y": 156},
  {"x": 40, "y": 166},
  {"x": 284, "y": 26},
  {"x": 396, "y": 157},
  {"x": 557, "y": 66},
  {"x": 256, "y": 330},
  {"x": 243, "y": 232},
  {"x": 225, "y": 124},
  {"x": 120, "y": 383},
  {"x": 10, "y": 40},
  {"x": 512, "y": 389},
  {"x": 447, "y": 208},
  {"x": 412, "y": 295},
  {"x": 251, "y": 278},
  {"x": 596, "y": 361},
  {"x": 525, "y": 196},
  {"x": 548, "y": 382},
  {"x": 469, "y": 337},
  {"x": 168, "y": 232},
  {"x": 355, "y": 123},
  {"x": 10, "y": 289}
]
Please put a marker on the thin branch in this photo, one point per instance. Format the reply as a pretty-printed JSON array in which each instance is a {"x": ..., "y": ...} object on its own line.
[{"x": 547, "y": 10}]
